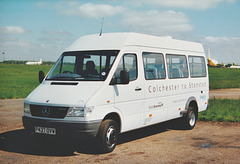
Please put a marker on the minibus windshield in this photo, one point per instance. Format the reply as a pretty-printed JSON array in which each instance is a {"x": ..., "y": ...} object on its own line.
[{"x": 83, "y": 66}]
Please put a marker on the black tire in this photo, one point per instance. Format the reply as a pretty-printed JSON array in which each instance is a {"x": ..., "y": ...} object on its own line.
[
  {"x": 190, "y": 119},
  {"x": 107, "y": 136}
]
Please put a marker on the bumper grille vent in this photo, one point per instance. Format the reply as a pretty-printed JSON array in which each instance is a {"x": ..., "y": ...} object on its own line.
[{"x": 48, "y": 111}]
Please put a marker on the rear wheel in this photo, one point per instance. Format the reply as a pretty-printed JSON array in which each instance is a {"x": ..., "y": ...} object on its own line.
[
  {"x": 189, "y": 120},
  {"x": 107, "y": 136}
]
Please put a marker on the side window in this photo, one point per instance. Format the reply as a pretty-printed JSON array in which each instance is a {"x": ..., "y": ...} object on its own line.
[
  {"x": 197, "y": 66},
  {"x": 154, "y": 67},
  {"x": 128, "y": 63},
  {"x": 177, "y": 66}
]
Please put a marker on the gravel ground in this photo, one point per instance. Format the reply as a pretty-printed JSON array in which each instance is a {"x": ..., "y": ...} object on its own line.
[
  {"x": 163, "y": 143},
  {"x": 233, "y": 93}
]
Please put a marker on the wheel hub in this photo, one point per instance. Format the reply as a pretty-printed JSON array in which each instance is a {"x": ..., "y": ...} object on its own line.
[
  {"x": 111, "y": 136},
  {"x": 192, "y": 118}
]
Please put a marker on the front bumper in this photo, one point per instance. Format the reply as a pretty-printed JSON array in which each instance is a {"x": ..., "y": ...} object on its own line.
[{"x": 78, "y": 129}]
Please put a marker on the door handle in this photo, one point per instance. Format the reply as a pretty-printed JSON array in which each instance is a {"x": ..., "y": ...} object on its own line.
[{"x": 138, "y": 89}]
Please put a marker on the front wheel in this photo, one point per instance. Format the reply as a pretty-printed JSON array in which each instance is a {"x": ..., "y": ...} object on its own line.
[
  {"x": 107, "y": 136},
  {"x": 190, "y": 118}
]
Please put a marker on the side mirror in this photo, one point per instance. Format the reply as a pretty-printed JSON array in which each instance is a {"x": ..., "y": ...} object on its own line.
[
  {"x": 41, "y": 76},
  {"x": 124, "y": 77}
]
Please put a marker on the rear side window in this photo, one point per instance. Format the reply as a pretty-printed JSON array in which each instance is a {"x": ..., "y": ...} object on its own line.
[
  {"x": 197, "y": 66},
  {"x": 177, "y": 66},
  {"x": 154, "y": 67}
]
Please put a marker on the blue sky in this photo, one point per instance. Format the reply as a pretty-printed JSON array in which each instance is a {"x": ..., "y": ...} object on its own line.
[{"x": 34, "y": 29}]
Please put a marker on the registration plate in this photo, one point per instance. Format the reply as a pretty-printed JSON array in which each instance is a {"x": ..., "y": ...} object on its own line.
[{"x": 44, "y": 130}]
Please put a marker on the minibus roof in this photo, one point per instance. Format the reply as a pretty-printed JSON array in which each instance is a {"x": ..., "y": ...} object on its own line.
[{"x": 116, "y": 41}]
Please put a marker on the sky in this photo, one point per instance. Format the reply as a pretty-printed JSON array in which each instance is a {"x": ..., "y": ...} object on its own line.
[{"x": 34, "y": 29}]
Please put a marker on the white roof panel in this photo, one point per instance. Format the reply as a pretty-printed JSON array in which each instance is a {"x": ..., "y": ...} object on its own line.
[{"x": 116, "y": 41}]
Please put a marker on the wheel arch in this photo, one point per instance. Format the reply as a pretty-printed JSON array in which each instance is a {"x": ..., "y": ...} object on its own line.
[
  {"x": 192, "y": 102},
  {"x": 116, "y": 117}
]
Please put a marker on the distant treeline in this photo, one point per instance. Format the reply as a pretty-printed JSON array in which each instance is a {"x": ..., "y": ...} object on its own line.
[{"x": 24, "y": 62}]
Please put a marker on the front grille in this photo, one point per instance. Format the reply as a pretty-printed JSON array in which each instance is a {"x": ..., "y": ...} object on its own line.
[{"x": 48, "y": 111}]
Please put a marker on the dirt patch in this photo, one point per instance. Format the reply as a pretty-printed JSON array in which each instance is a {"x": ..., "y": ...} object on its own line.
[
  {"x": 11, "y": 112},
  {"x": 233, "y": 93}
]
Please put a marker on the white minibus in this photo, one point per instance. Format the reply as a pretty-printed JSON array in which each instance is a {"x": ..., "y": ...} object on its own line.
[{"x": 103, "y": 85}]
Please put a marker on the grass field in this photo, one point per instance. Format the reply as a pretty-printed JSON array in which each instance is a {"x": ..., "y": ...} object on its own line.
[
  {"x": 17, "y": 81},
  {"x": 224, "y": 78},
  {"x": 222, "y": 110}
]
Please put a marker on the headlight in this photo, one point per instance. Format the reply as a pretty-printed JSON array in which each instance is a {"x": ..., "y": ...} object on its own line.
[
  {"x": 27, "y": 108},
  {"x": 79, "y": 111},
  {"x": 75, "y": 112}
]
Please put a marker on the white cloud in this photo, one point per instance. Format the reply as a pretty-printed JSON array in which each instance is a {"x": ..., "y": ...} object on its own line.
[
  {"x": 223, "y": 49},
  {"x": 18, "y": 49},
  {"x": 89, "y": 10},
  {"x": 156, "y": 22},
  {"x": 212, "y": 39},
  {"x": 16, "y": 43},
  {"x": 192, "y": 4},
  {"x": 48, "y": 47},
  {"x": 12, "y": 30},
  {"x": 129, "y": 19},
  {"x": 43, "y": 4}
]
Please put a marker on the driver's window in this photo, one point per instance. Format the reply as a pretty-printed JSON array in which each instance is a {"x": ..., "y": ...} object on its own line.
[
  {"x": 129, "y": 64},
  {"x": 68, "y": 64}
]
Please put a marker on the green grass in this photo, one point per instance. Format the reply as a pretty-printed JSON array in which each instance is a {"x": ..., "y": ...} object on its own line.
[
  {"x": 17, "y": 81},
  {"x": 223, "y": 110},
  {"x": 224, "y": 78}
]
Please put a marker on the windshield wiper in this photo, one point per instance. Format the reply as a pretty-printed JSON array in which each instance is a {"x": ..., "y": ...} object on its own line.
[
  {"x": 79, "y": 77},
  {"x": 66, "y": 76},
  {"x": 62, "y": 77}
]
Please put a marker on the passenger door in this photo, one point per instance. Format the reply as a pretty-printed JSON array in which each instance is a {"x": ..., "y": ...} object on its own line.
[
  {"x": 129, "y": 97},
  {"x": 156, "y": 88}
]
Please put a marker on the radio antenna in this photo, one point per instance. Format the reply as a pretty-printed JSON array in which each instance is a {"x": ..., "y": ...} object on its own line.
[{"x": 101, "y": 27}]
